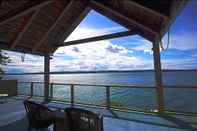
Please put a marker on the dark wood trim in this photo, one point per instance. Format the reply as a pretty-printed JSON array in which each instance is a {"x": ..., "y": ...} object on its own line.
[
  {"x": 24, "y": 9},
  {"x": 24, "y": 29}
]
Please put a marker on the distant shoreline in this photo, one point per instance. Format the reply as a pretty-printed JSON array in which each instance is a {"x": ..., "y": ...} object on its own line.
[{"x": 102, "y": 71}]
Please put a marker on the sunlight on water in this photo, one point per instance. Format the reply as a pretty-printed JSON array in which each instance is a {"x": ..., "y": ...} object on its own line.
[{"x": 175, "y": 99}]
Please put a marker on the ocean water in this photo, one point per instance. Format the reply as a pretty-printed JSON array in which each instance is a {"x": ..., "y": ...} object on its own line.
[{"x": 180, "y": 99}]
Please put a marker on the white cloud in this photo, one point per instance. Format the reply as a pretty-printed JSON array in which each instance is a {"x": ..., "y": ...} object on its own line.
[
  {"x": 102, "y": 55},
  {"x": 96, "y": 55}
]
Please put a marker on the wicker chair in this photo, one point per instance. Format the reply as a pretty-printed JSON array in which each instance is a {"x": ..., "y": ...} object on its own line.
[
  {"x": 38, "y": 115},
  {"x": 83, "y": 120}
]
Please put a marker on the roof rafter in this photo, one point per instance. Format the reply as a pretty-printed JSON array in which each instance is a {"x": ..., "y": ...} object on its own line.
[
  {"x": 123, "y": 20},
  {"x": 98, "y": 38},
  {"x": 26, "y": 26},
  {"x": 112, "y": 11},
  {"x": 24, "y": 9},
  {"x": 37, "y": 45}
]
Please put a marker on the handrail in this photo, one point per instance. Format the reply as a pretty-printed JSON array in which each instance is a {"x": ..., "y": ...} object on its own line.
[
  {"x": 108, "y": 100},
  {"x": 102, "y": 85},
  {"x": 125, "y": 86}
]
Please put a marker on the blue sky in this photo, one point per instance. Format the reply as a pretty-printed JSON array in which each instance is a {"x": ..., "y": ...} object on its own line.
[{"x": 126, "y": 53}]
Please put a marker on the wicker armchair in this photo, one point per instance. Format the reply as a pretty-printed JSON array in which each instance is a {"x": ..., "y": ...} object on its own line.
[
  {"x": 38, "y": 115},
  {"x": 83, "y": 120}
]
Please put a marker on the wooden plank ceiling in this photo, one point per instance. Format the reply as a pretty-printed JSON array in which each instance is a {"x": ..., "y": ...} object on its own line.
[{"x": 41, "y": 26}]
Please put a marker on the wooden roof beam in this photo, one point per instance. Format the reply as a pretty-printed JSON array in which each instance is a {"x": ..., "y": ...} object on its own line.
[
  {"x": 37, "y": 45},
  {"x": 96, "y": 5},
  {"x": 24, "y": 9},
  {"x": 148, "y": 10},
  {"x": 99, "y": 38},
  {"x": 5, "y": 46},
  {"x": 26, "y": 26}
]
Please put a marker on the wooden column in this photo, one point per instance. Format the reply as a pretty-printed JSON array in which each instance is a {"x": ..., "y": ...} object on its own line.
[
  {"x": 158, "y": 76},
  {"x": 46, "y": 77},
  {"x": 31, "y": 89},
  {"x": 72, "y": 95},
  {"x": 108, "y": 101}
]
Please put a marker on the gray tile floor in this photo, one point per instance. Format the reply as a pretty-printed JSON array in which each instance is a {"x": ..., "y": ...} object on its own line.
[{"x": 12, "y": 118}]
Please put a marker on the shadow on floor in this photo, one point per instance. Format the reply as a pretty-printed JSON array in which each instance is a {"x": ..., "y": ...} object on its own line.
[
  {"x": 20, "y": 125},
  {"x": 180, "y": 123},
  {"x": 175, "y": 122}
]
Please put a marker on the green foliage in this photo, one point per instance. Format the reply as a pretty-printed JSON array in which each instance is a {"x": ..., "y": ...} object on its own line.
[{"x": 4, "y": 59}]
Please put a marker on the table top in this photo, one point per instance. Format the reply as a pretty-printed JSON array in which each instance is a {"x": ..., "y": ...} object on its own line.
[{"x": 58, "y": 115}]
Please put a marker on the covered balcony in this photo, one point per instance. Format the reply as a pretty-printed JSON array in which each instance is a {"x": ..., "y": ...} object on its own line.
[{"x": 40, "y": 27}]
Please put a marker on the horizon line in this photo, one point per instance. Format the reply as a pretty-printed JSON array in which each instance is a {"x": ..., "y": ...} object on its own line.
[{"x": 98, "y": 71}]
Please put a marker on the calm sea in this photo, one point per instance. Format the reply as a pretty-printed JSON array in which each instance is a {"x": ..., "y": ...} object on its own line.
[{"x": 181, "y": 99}]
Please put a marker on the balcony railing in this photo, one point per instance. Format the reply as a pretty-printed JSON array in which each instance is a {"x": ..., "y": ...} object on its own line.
[{"x": 179, "y": 99}]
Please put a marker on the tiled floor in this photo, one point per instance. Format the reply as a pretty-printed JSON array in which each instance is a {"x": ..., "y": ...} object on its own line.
[{"x": 12, "y": 118}]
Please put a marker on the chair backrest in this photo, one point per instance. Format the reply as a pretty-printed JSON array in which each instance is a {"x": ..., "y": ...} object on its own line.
[
  {"x": 83, "y": 120},
  {"x": 37, "y": 114}
]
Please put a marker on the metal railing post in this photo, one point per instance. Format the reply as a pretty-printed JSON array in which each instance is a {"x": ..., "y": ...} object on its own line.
[
  {"x": 72, "y": 94},
  {"x": 31, "y": 89},
  {"x": 108, "y": 102},
  {"x": 51, "y": 91}
]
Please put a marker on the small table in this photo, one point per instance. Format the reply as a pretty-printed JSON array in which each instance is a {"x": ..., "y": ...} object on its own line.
[
  {"x": 59, "y": 119},
  {"x": 3, "y": 97}
]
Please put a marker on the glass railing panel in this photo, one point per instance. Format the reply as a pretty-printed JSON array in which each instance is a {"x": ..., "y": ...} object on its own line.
[
  {"x": 133, "y": 98},
  {"x": 180, "y": 99},
  {"x": 23, "y": 88},
  {"x": 61, "y": 92},
  {"x": 95, "y": 95},
  {"x": 38, "y": 89}
]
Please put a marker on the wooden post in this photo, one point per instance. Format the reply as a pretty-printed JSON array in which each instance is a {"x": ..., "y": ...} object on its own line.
[
  {"x": 72, "y": 94},
  {"x": 46, "y": 77},
  {"x": 31, "y": 89},
  {"x": 108, "y": 96},
  {"x": 158, "y": 76}
]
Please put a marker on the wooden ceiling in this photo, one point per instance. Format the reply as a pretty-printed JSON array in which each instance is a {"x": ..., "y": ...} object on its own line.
[{"x": 41, "y": 26}]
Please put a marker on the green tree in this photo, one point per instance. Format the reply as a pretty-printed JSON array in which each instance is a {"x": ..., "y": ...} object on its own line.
[{"x": 4, "y": 59}]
